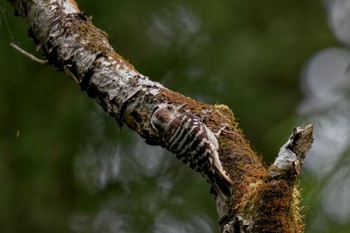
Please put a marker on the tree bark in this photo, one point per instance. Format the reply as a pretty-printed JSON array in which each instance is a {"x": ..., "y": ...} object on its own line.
[{"x": 264, "y": 199}]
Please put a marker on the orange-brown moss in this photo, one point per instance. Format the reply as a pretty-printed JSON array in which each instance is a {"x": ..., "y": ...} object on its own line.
[
  {"x": 174, "y": 97},
  {"x": 93, "y": 36},
  {"x": 271, "y": 206}
]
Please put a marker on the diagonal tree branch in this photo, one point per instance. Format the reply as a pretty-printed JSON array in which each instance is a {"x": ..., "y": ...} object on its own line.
[{"x": 262, "y": 199}]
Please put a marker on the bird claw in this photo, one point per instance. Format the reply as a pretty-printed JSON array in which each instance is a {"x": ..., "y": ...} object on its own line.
[{"x": 222, "y": 129}]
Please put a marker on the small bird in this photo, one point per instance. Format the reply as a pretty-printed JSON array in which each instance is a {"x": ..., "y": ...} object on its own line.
[{"x": 192, "y": 142}]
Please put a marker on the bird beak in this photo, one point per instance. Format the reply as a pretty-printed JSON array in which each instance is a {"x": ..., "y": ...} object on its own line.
[{"x": 180, "y": 107}]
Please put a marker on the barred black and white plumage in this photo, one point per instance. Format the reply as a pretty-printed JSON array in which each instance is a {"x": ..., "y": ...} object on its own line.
[{"x": 190, "y": 140}]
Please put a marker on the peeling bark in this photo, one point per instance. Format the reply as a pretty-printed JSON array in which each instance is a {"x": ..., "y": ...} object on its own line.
[{"x": 263, "y": 199}]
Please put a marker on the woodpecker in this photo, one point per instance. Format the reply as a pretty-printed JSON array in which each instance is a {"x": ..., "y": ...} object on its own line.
[{"x": 191, "y": 141}]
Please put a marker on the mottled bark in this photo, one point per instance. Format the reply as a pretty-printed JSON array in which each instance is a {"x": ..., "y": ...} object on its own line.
[{"x": 263, "y": 199}]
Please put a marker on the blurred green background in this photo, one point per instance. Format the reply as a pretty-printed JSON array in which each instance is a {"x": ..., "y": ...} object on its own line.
[{"x": 66, "y": 167}]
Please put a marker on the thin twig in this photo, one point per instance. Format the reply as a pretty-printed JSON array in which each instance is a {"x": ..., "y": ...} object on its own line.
[{"x": 30, "y": 56}]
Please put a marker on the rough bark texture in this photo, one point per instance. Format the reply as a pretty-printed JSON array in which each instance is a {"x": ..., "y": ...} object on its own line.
[{"x": 263, "y": 199}]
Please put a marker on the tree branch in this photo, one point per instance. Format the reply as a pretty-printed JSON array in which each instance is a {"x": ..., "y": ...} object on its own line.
[
  {"x": 30, "y": 56},
  {"x": 263, "y": 200}
]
